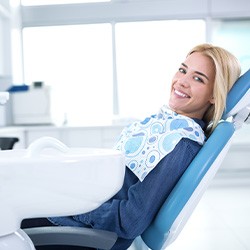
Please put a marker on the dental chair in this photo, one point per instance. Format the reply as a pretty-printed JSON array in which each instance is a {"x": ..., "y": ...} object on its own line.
[{"x": 183, "y": 199}]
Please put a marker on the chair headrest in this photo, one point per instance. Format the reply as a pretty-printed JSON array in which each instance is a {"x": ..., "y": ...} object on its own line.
[{"x": 239, "y": 96}]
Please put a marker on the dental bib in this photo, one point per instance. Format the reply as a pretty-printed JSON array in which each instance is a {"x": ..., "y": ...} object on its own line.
[{"x": 145, "y": 143}]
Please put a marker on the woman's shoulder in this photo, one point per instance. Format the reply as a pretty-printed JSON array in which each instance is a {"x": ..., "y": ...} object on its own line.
[{"x": 184, "y": 151}]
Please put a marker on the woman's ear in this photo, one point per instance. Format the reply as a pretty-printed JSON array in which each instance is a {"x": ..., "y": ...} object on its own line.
[{"x": 212, "y": 100}]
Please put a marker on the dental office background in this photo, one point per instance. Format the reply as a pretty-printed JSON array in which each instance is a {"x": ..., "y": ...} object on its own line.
[{"x": 109, "y": 62}]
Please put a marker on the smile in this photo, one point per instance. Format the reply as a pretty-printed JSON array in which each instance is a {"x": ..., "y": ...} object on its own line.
[{"x": 181, "y": 94}]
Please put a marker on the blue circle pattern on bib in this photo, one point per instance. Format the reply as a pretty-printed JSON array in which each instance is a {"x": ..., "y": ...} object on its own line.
[{"x": 146, "y": 143}]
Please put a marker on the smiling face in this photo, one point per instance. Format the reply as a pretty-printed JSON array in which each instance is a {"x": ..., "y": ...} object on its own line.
[{"x": 192, "y": 86}]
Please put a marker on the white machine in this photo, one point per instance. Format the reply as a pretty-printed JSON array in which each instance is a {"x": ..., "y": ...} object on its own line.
[
  {"x": 50, "y": 179},
  {"x": 32, "y": 106}
]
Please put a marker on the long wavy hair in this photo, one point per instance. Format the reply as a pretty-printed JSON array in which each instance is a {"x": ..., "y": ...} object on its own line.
[{"x": 227, "y": 71}]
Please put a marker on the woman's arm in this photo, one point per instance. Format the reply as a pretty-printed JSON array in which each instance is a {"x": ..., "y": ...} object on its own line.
[{"x": 131, "y": 216}]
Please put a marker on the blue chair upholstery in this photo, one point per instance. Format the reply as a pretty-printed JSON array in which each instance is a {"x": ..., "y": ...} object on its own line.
[
  {"x": 187, "y": 193},
  {"x": 179, "y": 205}
]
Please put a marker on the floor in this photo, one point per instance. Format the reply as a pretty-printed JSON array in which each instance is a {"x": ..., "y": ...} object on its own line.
[{"x": 222, "y": 218}]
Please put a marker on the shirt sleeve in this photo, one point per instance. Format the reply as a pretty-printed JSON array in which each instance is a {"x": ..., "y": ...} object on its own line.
[{"x": 131, "y": 216}]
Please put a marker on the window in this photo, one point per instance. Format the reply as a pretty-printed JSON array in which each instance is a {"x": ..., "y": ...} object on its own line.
[
  {"x": 232, "y": 33},
  {"x": 148, "y": 54},
  {"x": 76, "y": 61}
]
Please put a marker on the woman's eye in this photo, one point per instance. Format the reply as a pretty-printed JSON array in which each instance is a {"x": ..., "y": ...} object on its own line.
[
  {"x": 198, "y": 79},
  {"x": 182, "y": 70}
]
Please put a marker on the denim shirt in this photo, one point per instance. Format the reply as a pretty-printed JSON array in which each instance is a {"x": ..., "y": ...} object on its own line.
[{"x": 133, "y": 208}]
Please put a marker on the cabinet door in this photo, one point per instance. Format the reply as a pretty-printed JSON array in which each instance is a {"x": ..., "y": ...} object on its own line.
[
  {"x": 35, "y": 134},
  {"x": 110, "y": 136},
  {"x": 83, "y": 137}
]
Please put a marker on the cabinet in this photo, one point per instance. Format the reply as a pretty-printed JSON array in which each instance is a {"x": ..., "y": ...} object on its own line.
[
  {"x": 106, "y": 137},
  {"x": 97, "y": 136}
]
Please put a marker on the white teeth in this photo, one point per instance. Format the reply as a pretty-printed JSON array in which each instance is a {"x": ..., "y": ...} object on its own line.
[{"x": 179, "y": 93}]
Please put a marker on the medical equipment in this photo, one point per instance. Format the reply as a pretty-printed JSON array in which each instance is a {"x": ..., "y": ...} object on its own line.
[
  {"x": 183, "y": 199},
  {"x": 67, "y": 180},
  {"x": 37, "y": 113}
]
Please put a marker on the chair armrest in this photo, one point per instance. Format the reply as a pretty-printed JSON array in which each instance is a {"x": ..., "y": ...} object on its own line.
[{"x": 71, "y": 236}]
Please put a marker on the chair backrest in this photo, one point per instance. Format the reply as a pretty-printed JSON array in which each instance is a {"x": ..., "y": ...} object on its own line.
[{"x": 186, "y": 194}]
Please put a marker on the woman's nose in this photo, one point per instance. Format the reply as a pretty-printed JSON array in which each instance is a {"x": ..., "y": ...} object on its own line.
[{"x": 184, "y": 81}]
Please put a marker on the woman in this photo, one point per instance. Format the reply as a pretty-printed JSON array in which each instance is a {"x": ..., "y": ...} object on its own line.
[{"x": 159, "y": 149}]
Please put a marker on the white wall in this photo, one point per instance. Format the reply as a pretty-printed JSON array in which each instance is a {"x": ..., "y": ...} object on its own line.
[
  {"x": 118, "y": 11},
  {"x": 5, "y": 48}
]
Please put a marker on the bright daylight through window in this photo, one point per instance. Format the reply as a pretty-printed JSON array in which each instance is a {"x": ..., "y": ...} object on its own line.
[
  {"x": 148, "y": 54},
  {"x": 78, "y": 65}
]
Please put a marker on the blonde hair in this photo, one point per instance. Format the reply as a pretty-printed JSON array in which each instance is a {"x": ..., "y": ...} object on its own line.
[{"x": 227, "y": 71}]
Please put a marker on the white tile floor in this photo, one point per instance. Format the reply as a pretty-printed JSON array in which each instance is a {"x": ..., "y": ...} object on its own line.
[{"x": 222, "y": 218}]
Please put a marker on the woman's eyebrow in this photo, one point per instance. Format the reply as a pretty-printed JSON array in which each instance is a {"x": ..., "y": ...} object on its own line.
[{"x": 197, "y": 72}]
